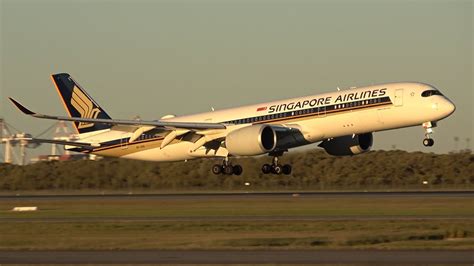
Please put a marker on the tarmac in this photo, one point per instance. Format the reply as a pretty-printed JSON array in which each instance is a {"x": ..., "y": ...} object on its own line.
[
  {"x": 243, "y": 195},
  {"x": 376, "y": 257},
  {"x": 234, "y": 218}
]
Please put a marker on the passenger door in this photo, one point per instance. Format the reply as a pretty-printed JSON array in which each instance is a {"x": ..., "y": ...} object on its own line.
[{"x": 398, "y": 101}]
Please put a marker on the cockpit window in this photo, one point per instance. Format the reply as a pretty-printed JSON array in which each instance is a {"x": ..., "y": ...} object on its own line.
[{"x": 429, "y": 93}]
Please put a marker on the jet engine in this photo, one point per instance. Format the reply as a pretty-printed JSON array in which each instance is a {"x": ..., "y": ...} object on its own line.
[
  {"x": 251, "y": 140},
  {"x": 348, "y": 145}
]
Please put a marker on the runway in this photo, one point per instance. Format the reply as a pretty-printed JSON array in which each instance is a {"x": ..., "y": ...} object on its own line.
[
  {"x": 235, "y": 218},
  {"x": 235, "y": 196},
  {"x": 243, "y": 195},
  {"x": 240, "y": 257}
]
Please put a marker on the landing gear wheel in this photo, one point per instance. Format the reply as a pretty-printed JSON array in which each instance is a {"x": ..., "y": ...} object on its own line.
[
  {"x": 428, "y": 142},
  {"x": 277, "y": 169},
  {"x": 228, "y": 169},
  {"x": 428, "y": 126},
  {"x": 217, "y": 169},
  {"x": 286, "y": 169},
  {"x": 237, "y": 169},
  {"x": 266, "y": 168}
]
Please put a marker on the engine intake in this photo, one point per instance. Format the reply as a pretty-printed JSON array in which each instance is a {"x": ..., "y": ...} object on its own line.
[
  {"x": 251, "y": 140},
  {"x": 348, "y": 145}
]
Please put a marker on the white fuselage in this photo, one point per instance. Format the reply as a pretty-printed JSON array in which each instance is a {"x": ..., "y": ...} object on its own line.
[{"x": 318, "y": 117}]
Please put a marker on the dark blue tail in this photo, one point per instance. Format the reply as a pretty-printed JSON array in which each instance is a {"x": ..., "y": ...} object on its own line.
[{"x": 79, "y": 104}]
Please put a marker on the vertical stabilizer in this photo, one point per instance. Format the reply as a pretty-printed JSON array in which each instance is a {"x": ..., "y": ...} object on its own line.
[{"x": 79, "y": 104}]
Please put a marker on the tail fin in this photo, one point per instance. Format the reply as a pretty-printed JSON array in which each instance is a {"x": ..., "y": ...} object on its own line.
[{"x": 79, "y": 104}]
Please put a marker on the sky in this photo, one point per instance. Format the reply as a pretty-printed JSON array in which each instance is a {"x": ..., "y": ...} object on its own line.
[{"x": 153, "y": 58}]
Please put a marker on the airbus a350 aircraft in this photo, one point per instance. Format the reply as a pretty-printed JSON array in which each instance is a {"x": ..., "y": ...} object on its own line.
[{"x": 342, "y": 121}]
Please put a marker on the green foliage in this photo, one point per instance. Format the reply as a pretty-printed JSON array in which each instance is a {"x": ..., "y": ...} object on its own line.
[{"x": 311, "y": 170}]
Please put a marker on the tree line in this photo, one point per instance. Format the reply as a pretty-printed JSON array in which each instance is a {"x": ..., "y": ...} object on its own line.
[{"x": 312, "y": 170}]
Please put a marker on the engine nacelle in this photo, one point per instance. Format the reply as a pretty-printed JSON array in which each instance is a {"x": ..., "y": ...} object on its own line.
[
  {"x": 251, "y": 140},
  {"x": 348, "y": 145}
]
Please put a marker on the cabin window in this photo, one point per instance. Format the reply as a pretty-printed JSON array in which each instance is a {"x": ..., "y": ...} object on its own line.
[{"x": 429, "y": 93}]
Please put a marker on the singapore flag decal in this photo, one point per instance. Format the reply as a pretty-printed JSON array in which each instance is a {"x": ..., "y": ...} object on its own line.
[{"x": 261, "y": 109}]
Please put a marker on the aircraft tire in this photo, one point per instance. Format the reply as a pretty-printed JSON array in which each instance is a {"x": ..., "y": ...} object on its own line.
[
  {"x": 286, "y": 169},
  {"x": 428, "y": 142},
  {"x": 217, "y": 169},
  {"x": 237, "y": 169},
  {"x": 277, "y": 169},
  {"x": 228, "y": 170},
  {"x": 266, "y": 168}
]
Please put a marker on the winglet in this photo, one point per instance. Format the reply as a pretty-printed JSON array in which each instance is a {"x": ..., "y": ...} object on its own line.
[{"x": 18, "y": 105}]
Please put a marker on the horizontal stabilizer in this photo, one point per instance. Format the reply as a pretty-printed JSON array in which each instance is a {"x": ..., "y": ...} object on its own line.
[{"x": 83, "y": 145}]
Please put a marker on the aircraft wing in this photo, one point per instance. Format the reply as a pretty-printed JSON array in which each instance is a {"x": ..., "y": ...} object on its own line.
[
  {"x": 154, "y": 123},
  {"x": 83, "y": 145}
]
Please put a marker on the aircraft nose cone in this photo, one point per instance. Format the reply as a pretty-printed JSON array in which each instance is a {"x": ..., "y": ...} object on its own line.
[{"x": 447, "y": 108}]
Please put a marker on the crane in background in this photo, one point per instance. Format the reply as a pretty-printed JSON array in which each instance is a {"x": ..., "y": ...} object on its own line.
[{"x": 15, "y": 143}]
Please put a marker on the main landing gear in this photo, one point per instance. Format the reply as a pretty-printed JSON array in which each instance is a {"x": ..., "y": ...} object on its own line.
[
  {"x": 275, "y": 167},
  {"x": 428, "y": 126},
  {"x": 227, "y": 168}
]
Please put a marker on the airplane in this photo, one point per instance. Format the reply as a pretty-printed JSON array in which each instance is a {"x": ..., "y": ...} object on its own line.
[{"x": 341, "y": 122}]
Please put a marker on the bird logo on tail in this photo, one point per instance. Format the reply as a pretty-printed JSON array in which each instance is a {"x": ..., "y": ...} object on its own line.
[{"x": 84, "y": 106}]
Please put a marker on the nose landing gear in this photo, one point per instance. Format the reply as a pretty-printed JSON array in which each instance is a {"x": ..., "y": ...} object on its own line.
[
  {"x": 276, "y": 168},
  {"x": 428, "y": 126},
  {"x": 227, "y": 168}
]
